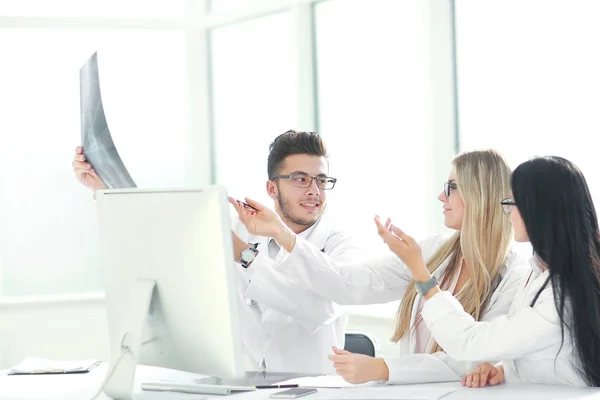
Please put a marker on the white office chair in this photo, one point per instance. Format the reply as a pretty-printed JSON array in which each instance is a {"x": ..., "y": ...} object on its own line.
[{"x": 362, "y": 343}]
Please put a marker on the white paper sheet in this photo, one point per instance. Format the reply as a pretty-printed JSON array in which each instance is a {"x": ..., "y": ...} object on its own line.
[
  {"x": 32, "y": 365},
  {"x": 389, "y": 392},
  {"x": 371, "y": 390},
  {"x": 325, "y": 381}
]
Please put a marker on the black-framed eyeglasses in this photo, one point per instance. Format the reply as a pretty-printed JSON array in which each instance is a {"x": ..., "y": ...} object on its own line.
[
  {"x": 304, "y": 180},
  {"x": 448, "y": 187},
  {"x": 507, "y": 205}
]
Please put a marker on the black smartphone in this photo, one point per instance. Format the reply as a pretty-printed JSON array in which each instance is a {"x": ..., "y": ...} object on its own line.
[{"x": 293, "y": 393}]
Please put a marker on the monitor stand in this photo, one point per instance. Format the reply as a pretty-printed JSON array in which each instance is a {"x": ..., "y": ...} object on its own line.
[{"x": 119, "y": 380}]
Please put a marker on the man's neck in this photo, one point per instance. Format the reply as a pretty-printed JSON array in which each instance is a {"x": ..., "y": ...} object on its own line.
[{"x": 296, "y": 228}]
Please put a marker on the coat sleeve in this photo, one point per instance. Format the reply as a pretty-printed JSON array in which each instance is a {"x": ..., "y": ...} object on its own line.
[
  {"x": 528, "y": 331},
  {"x": 426, "y": 368},
  {"x": 350, "y": 279},
  {"x": 270, "y": 287}
]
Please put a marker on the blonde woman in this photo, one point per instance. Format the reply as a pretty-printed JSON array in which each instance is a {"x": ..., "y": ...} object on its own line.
[{"x": 475, "y": 264}]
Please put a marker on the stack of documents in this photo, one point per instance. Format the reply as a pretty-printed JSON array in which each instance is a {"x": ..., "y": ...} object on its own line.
[{"x": 32, "y": 365}]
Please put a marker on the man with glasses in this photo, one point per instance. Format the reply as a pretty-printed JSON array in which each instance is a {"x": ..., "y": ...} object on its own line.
[{"x": 285, "y": 328}]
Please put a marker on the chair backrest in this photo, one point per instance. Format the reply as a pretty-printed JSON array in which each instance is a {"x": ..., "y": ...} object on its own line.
[{"x": 361, "y": 343}]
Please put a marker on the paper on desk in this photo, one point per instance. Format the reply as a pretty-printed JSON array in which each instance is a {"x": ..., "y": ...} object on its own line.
[
  {"x": 32, "y": 365},
  {"x": 371, "y": 390},
  {"x": 324, "y": 381},
  {"x": 389, "y": 392}
]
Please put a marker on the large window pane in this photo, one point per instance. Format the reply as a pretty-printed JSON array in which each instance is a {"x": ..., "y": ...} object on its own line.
[
  {"x": 371, "y": 112},
  {"x": 159, "y": 9},
  {"x": 48, "y": 235},
  {"x": 255, "y": 99},
  {"x": 529, "y": 80},
  {"x": 224, "y": 5}
]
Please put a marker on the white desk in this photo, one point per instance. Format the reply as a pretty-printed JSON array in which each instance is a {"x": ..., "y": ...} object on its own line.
[{"x": 84, "y": 386}]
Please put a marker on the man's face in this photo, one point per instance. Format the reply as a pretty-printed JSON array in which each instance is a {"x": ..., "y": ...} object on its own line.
[{"x": 299, "y": 207}]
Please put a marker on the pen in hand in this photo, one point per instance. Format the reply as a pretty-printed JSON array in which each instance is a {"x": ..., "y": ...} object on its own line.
[
  {"x": 247, "y": 205},
  {"x": 239, "y": 202}
]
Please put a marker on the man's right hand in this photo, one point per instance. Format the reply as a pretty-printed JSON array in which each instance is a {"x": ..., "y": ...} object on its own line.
[
  {"x": 261, "y": 221},
  {"x": 85, "y": 173}
]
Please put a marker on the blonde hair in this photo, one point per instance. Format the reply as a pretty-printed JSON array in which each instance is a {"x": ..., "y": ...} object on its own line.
[{"x": 483, "y": 180}]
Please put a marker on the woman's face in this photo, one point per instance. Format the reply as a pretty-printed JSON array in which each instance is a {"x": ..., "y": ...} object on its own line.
[
  {"x": 453, "y": 204},
  {"x": 518, "y": 225}
]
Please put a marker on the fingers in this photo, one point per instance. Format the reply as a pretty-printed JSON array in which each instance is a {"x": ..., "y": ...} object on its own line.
[
  {"x": 337, "y": 358},
  {"x": 81, "y": 165},
  {"x": 484, "y": 375},
  {"x": 496, "y": 380},
  {"x": 80, "y": 168},
  {"x": 234, "y": 203},
  {"x": 254, "y": 204},
  {"x": 340, "y": 351},
  {"x": 81, "y": 172},
  {"x": 388, "y": 237},
  {"x": 386, "y": 226},
  {"x": 475, "y": 380},
  {"x": 388, "y": 223},
  {"x": 343, "y": 367},
  {"x": 342, "y": 363},
  {"x": 479, "y": 376},
  {"x": 79, "y": 150},
  {"x": 93, "y": 173},
  {"x": 242, "y": 211},
  {"x": 498, "y": 376},
  {"x": 469, "y": 380},
  {"x": 381, "y": 230},
  {"x": 79, "y": 157},
  {"x": 398, "y": 232},
  {"x": 242, "y": 215}
]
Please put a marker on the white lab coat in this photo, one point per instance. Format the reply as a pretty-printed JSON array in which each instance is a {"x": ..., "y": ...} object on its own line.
[
  {"x": 385, "y": 279},
  {"x": 528, "y": 339},
  {"x": 290, "y": 327}
]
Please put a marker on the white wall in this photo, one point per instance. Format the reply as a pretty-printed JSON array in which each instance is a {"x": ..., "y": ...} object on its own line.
[{"x": 77, "y": 330}]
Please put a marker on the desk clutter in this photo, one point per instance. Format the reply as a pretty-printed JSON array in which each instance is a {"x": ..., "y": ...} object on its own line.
[{"x": 36, "y": 366}]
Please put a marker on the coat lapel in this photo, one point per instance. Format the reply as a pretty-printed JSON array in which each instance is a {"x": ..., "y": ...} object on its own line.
[{"x": 320, "y": 233}]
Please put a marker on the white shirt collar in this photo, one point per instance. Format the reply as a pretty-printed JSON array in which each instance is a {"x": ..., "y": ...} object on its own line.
[
  {"x": 537, "y": 264},
  {"x": 306, "y": 233}
]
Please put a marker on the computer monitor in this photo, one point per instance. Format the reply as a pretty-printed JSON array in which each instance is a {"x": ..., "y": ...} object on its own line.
[{"x": 170, "y": 289}]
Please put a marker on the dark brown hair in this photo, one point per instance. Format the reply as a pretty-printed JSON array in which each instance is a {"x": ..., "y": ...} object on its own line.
[{"x": 290, "y": 143}]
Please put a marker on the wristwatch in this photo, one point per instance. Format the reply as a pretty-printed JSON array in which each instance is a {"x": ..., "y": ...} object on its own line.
[
  {"x": 249, "y": 254},
  {"x": 424, "y": 287}
]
